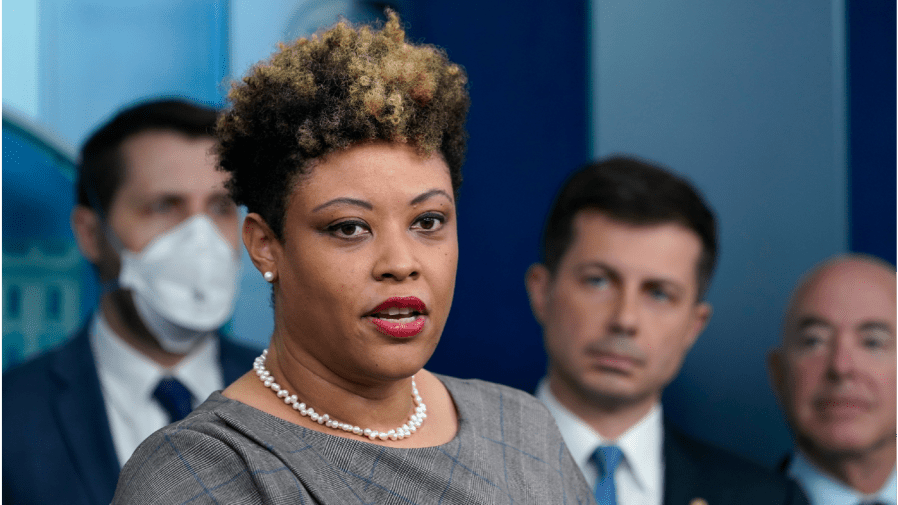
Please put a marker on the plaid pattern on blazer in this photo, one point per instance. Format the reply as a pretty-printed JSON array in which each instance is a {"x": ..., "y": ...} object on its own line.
[{"x": 507, "y": 450}]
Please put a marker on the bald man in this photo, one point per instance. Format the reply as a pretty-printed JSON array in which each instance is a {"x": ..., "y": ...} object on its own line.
[{"x": 834, "y": 375}]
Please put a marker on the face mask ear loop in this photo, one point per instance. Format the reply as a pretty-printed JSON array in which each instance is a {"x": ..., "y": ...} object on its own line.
[{"x": 94, "y": 200}]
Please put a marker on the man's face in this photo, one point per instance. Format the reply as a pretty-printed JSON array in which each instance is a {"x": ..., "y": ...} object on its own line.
[
  {"x": 620, "y": 312},
  {"x": 169, "y": 178},
  {"x": 835, "y": 372}
]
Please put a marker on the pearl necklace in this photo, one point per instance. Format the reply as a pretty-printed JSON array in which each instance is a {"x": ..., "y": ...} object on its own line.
[{"x": 406, "y": 430}]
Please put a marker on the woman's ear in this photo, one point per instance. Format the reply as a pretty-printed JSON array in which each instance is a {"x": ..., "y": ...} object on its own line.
[{"x": 262, "y": 245}]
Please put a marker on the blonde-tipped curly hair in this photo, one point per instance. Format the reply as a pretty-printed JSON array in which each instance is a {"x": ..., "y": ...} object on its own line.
[{"x": 325, "y": 93}]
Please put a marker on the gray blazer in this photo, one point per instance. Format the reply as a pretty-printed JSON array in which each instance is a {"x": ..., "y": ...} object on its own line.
[{"x": 507, "y": 450}]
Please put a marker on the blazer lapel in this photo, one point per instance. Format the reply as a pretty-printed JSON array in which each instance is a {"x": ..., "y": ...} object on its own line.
[{"x": 80, "y": 413}]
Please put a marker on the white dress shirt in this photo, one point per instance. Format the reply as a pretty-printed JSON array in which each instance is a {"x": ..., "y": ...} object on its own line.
[
  {"x": 639, "y": 478},
  {"x": 821, "y": 489},
  {"x": 128, "y": 379}
]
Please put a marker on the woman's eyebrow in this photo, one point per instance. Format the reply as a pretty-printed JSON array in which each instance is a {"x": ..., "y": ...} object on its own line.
[
  {"x": 429, "y": 194},
  {"x": 344, "y": 201}
]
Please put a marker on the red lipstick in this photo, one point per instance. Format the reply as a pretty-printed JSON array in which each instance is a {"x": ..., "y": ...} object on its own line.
[
  {"x": 400, "y": 316},
  {"x": 402, "y": 302}
]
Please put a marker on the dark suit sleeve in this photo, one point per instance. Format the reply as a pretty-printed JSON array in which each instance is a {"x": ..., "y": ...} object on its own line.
[{"x": 57, "y": 447}]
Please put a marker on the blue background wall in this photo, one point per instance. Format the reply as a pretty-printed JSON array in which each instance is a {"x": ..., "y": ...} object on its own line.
[
  {"x": 528, "y": 127},
  {"x": 871, "y": 126},
  {"x": 780, "y": 112}
]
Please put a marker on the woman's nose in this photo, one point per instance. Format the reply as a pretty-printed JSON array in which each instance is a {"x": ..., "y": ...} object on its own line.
[{"x": 396, "y": 258}]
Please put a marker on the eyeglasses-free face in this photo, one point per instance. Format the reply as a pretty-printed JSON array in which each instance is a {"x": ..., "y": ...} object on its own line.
[{"x": 366, "y": 268}]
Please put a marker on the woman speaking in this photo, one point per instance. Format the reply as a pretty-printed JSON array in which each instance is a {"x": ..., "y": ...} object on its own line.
[{"x": 346, "y": 149}]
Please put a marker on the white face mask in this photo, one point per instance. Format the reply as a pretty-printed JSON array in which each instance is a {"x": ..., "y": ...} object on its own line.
[{"x": 184, "y": 283}]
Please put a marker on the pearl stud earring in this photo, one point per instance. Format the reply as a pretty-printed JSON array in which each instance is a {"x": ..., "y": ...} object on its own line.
[{"x": 269, "y": 276}]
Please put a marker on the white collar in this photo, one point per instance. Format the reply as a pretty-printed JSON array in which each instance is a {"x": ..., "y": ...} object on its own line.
[
  {"x": 822, "y": 489},
  {"x": 641, "y": 444},
  {"x": 199, "y": 371}
]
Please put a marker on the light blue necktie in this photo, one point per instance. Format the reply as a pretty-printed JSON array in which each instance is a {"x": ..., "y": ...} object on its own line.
[{"x": 606, "y": 458}]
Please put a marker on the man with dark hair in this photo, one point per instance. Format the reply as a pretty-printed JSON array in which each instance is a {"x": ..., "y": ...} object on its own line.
[
  {"x": 154, "y": 219},
  {"x": 834, "y": 375},
  {"x": 628, "y": 253}
]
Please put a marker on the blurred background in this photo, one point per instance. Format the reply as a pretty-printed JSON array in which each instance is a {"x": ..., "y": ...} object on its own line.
[{"x": 782, "y": 113}]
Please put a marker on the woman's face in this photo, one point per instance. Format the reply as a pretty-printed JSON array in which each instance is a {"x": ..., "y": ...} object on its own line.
[{"x": 366, "y": 268}]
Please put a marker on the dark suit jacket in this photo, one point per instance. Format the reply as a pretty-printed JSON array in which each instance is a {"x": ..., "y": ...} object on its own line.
[
  {"x": 57, "y": 447},
  {"x": 693, "y": 469}
]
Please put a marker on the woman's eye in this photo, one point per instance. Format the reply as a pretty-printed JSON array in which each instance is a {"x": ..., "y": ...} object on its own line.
[
  {"x": 429, "y": 222},
  {"x": 347, "y": 229},
  {"x": 350, "y": 229}
]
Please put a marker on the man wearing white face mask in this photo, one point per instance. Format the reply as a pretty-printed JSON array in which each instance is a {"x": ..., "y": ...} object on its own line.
[{"x": 155, "y": 220}]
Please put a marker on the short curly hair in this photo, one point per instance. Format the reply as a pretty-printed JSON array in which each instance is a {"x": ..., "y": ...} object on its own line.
[{"x": 344, "y": 86}]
